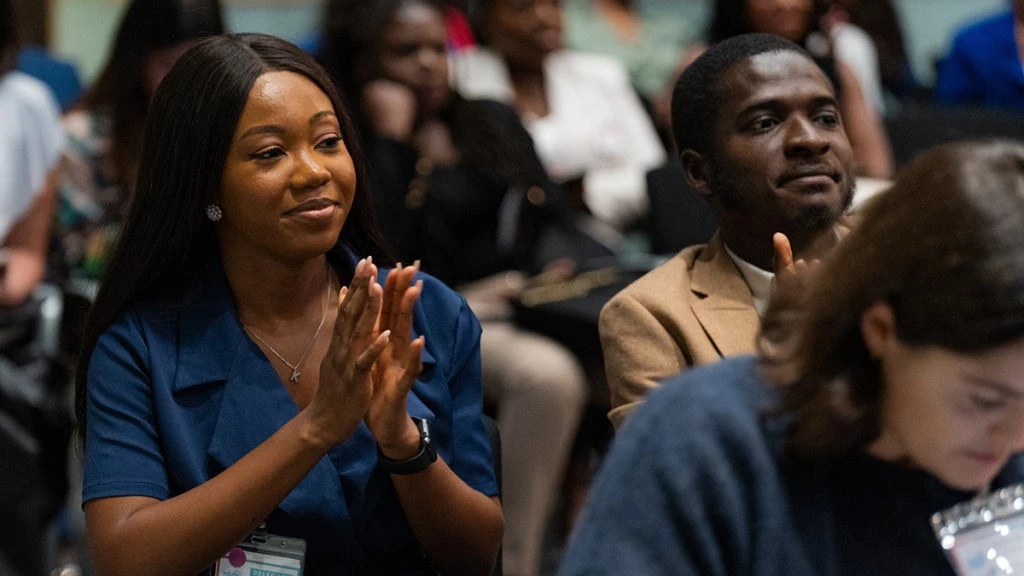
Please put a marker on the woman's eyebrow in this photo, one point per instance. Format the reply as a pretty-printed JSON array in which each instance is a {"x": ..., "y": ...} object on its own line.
[{"x": 1003, "y": 387}]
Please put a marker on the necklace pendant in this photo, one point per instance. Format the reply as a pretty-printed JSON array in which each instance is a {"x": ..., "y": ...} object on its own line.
[{"x": 295, "y": 376}]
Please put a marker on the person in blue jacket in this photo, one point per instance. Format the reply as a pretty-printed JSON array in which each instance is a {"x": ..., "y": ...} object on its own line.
[
  {"x": 246, "y": 361},
  {"x": 889, "y": 386},
  {"x": 985, "y": 66}
]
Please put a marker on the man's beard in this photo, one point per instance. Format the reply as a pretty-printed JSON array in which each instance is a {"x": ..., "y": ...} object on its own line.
[{"x": 802, "y": 229}]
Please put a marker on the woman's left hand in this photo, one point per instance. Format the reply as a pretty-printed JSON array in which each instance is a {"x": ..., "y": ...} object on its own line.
[{"x": 397, "y": 368}]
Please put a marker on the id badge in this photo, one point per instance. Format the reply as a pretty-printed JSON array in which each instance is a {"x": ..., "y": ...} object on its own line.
[
  {"x": 984, "y": 537},
  {"x": 263, "y": 554}
]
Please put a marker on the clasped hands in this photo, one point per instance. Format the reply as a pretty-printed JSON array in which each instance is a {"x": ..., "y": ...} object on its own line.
[{"x": 372, "y": 363}]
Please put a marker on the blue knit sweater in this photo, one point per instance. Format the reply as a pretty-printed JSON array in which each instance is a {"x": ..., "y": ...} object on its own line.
[{"x": 698, "y": 483}]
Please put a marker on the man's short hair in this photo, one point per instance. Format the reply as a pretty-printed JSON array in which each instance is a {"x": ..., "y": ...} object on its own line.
[{"x": 699, "y": 92}]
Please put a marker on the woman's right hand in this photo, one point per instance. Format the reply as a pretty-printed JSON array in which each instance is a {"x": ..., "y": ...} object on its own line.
[{"x": 343, "y": 396}]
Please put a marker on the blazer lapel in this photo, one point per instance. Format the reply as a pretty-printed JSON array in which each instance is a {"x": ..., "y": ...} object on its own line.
[{"x": 723, "y": 304}]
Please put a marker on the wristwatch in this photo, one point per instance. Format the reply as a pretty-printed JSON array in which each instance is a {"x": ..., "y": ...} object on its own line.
[{"x": 417, "y": 463}]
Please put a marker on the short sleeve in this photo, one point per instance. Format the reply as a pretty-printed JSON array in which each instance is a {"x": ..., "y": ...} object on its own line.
[
  {"x": 122, "y": 450},
  {"x": 471, "y": 450}
]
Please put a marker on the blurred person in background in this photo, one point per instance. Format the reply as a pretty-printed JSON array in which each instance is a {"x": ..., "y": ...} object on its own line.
[
  {"x": 30, "y": 144},
  {"x": 33, "y": 478},
  {"x": 799, "y": 21},
  {"x": 854, "y": 48},
  {"x": 105, "y": 128},
  {"x": 889, "y": 386},
  {"x": 985, "y": 66},
  {"x": 881, "y": 21},
  {"x": 458, "y": 186},
  {"x": 649, "y": 42},
  {"x": 587, "y": 122}
]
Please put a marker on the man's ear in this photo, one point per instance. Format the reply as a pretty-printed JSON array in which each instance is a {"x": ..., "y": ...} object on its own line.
[{"x": 696, "y": 171}]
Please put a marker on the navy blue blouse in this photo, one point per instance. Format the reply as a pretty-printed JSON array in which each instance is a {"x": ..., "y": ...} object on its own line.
[{"x": 177, "y": 393}]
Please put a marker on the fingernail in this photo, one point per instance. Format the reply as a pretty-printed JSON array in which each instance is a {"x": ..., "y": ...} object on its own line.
[
  {"x": 416, "y": 264},
  {"x": 398, "y": 266},
  {"x": 369, "y": 259},
  {"x": 419, "y": 284},
  {"x": 343, "y": 291},
  {"x": 386, "y": 334}
]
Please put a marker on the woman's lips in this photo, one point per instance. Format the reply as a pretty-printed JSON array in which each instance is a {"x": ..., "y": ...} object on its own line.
[{"x": 314, "y": 210}]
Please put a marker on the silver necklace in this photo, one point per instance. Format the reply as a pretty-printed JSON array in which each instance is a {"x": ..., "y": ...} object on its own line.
[{"x": 295, "y": 367}]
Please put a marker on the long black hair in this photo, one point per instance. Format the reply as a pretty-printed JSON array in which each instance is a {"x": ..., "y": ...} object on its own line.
[
  {"x": 8, "y": 37},
  {"x": 166, "y": 240},
  {"x": 120, "y": 89}
]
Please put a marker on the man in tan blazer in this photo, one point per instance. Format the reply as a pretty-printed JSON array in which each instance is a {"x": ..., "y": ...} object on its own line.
[{"x": 762, "y": 140}]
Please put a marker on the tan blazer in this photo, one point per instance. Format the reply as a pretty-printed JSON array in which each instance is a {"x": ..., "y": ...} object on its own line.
[{"x": 694, "y": 309}]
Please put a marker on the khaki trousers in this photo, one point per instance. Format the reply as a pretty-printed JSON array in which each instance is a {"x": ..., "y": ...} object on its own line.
[{"x": 540, "y": 391}]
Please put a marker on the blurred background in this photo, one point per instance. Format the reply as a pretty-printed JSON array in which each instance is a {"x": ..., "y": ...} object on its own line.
[{"x": 81, "y": 30}]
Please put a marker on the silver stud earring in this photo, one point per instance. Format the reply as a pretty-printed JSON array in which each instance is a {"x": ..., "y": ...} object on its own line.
[{"x": 214, "y": 213}]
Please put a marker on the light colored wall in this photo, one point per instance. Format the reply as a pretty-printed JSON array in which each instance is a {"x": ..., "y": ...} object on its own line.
[
  {"x": 84, "y": 28},
  {"x": 929, "y": 26}
]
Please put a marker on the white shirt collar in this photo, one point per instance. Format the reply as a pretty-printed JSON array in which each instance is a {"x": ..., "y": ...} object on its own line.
[{"x": 759, "y": 281}]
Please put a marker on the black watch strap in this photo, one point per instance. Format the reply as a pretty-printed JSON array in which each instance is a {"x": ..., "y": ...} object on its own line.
[{"x": 418, "y": 463}]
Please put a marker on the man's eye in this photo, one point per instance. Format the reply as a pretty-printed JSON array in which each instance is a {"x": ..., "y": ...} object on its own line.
[
  {"x": 829, "y": 118},
  {"x": 763, "y": 124}
]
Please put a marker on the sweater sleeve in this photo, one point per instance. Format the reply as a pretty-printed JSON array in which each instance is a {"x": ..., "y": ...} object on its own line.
[{"x": 689, "y": 488}]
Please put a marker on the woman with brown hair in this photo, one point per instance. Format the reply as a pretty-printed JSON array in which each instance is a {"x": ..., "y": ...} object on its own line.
[{"x": 889, "y": 387}]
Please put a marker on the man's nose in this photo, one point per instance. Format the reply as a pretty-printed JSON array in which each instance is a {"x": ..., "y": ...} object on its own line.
[{"x": 803, "y": 138}]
